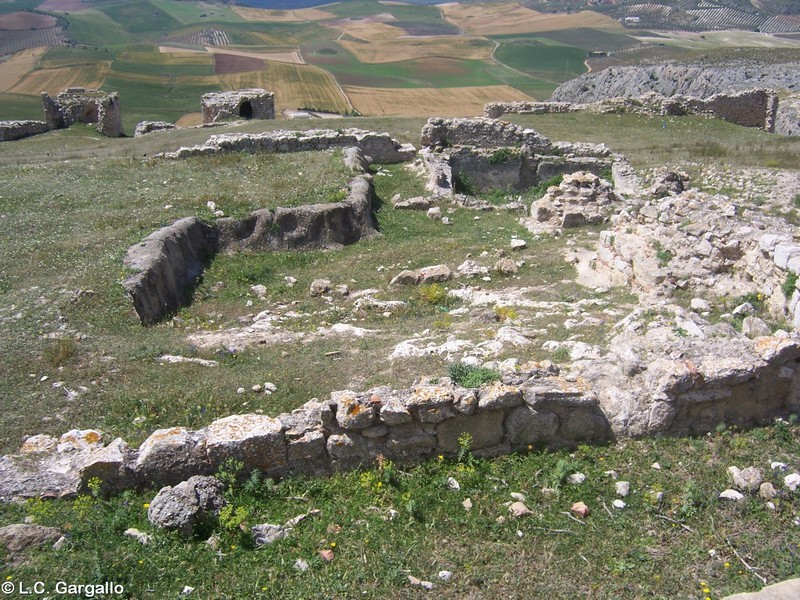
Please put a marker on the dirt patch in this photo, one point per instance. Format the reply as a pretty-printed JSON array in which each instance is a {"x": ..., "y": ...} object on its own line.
[
  {"x": 20, "y": 21},
  {"x": 498, "y": 19},
  {"x": 18, "y": 66},
  {"x": 452, "y": 102},
  {"x": 230, "y": 63}
]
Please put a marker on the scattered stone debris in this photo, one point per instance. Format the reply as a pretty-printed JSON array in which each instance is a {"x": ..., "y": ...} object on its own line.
[{"x": 20, "y": 537}]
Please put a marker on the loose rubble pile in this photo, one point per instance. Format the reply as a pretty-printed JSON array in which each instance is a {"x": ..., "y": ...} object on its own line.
[{"x": 580, "y": 199}]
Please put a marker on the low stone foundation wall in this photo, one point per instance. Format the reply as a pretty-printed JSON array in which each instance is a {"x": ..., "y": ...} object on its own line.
[
  {"x": 169, "y": 262},
  {"x": 380, "y": 147},
  {"x": 674, "y": 388},
  {"x": 751, "y": 108},
  {"x": 17, "y": 130}
]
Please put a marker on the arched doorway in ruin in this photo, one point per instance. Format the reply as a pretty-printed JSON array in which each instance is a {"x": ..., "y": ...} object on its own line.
[{"x": 246, "y": 110}]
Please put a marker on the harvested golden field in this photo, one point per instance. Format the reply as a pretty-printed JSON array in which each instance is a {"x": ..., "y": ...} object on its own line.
[
  {"x": 370, "y": 32},
  {"x": 499, "y": 19},
  {"x": 18, "y": 66},
  {"x": 411, "y": 48},
  {"x": 446, "y": 102},
  {"x": 19, "y": 21},
  {"x": 295, "y": 86},
  {"x": 54, "y": 81},
  {"x": 282, "y": 16}
]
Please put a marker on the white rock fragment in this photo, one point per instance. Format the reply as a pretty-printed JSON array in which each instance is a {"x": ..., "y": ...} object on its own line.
[
  {"x": 618, "y": 504},
  {"x": 576, "y": 478},
  {"x": 301, "y": 565},
  {"x": 622, "y": 488},
  {"x": 792, "y": 481},
  {"x": 778, "y": 466},
  {"x": 140, "y": 536},
  {"x": 445, "y": 575},
  {"x": 731, "y": 495},
  {"x": 453, "y": 484}
]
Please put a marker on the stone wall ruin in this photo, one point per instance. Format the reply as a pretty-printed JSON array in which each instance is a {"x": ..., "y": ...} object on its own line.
[
  {"x": 81, "y": 105},
  {"x": 252, "y": 103},
  {"x": 473, "y": 155},
  {"x": 751, "y": 108}
]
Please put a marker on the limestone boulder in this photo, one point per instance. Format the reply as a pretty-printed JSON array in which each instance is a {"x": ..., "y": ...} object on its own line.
[
  {"x": 188, "y": 506},
  {"x": 255, "y": 440},
  {"x": 171, "y": 455}
]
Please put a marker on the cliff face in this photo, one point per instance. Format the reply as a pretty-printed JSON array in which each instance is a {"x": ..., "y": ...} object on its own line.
[{"x": 670, "y": 79}]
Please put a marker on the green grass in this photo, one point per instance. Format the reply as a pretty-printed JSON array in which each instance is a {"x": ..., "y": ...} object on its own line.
[
  {"x": 15, "y": 5},
  {"x": 656, "y": 141},
  {"x": 141, "y": 18},
  {"x": 618, "y": 554},
  {"x": 542, "y": 58},
  {"x": 137, "y": 99},
  {"x": 151, "y": 62},
  {"x": 95, "y": 28},
  {"x": 17, "y": 107},
  {"x": 196, "y": 12}
]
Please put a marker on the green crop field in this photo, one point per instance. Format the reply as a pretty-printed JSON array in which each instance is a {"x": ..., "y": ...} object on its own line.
[
  {"x": 141, "y": 18},
  {"x": 196, "y": 12},
  {"x": 21, "y": 107},
  {"x": 95, "y": 28},
  {"x": 153, "y": 62},
  {"x": 542, "y": 58},
  {"x": 151, "y": 99}
]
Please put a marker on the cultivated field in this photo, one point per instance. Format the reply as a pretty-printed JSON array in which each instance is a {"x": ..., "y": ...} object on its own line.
[
  {"x": 294, "y": 86},
  {"x": 56, "y": 80},
  {"x": 451, "y": 102},
  {"x": 18, "y": 66},
  {"x": 397, "y": 44},
  {"x": 282, "y": 16},
  {"x": 507, "y": 18},
  {"x": 26, "y": 20}
]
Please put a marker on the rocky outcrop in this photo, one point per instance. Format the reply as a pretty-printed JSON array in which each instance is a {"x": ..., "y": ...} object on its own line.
[
  {"x": 146, "y": 127},
  {"x": 239, "y": 104},
  {"x": 81, "y": 105},
  {"x": 17, "y": 130},
  {"x": 670, "y": 79},
  {"x": 749, "y": 108},
  {"x": 379, "y": 147},
  {"x": 787, "y": 119},
  {"x": 169, "y": 262}
]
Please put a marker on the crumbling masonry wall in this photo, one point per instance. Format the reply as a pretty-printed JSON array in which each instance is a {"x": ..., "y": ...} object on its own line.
[
  {"x": 17, "y": 130},
  {"x": 252, "y": 103},
  {"x": 751, "y": 108},
  {"x": 81, "y": 105}
]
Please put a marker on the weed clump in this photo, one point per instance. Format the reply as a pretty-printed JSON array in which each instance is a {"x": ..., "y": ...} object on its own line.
[
  {"x": 471, "y": 377},
  {"x": 433, "y": 293}
]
